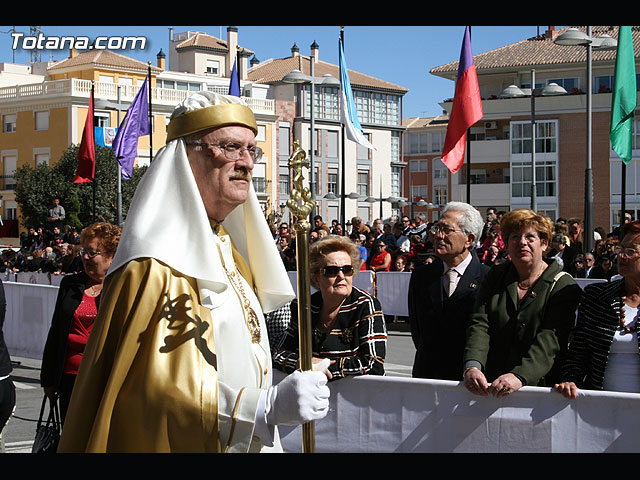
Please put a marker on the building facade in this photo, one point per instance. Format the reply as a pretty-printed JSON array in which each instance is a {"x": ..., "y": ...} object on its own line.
[
  {"x": 501, "y": 146},
  {"x": 44, "y": 106},
  {"x": 369, "y": 175}
]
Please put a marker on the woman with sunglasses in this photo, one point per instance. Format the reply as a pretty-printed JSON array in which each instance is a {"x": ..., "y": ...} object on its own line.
[
  {"x": 348, "y": 323},
  {"x": 523, "y": 314},
  {"x": 74, "y": 313},
  {"x": 604, "y": 353}
]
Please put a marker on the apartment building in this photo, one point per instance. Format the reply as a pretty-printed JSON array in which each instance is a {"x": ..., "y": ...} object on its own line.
[
  {"x": 43, "y": 106},
  {"x": 371, "y": 177},
  {"x": 500, "y": 147}
]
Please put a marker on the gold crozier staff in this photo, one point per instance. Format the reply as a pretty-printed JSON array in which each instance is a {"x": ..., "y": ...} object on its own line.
[{"x": 301, "y": 204}]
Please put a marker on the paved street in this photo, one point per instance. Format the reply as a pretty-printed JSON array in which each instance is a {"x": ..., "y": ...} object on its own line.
[{"x": 17, "y": 436}]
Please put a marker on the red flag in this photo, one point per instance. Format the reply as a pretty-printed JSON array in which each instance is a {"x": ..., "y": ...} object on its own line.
[
  {"x": 466, "y": 110},
  {"x": 87, "y": 151}
]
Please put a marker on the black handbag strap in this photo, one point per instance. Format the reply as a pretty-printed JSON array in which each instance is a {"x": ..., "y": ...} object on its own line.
[{"x": 54, "y": 415}]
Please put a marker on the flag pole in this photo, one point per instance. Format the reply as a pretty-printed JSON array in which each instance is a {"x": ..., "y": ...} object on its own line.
[
  {"x": 342, "y": 174},
  {"x": 95, "y": 167},
  {"x": 468, "y": 167},
  {"x": 469, "y": 154},
  {"x": 119, "y": 182},
  {"x": 150, "y": 114}
]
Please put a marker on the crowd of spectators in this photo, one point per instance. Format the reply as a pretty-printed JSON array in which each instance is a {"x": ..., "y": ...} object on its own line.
[
  {"x": 406, "y": 244},
  {"x": 52, "y": 250}
]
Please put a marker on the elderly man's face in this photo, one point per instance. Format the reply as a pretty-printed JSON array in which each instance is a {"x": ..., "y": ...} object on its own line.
[{"x": 223, "y": 183}]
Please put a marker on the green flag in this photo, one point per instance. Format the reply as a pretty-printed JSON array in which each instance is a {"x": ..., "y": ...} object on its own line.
[{"x": 624, "y": 98}]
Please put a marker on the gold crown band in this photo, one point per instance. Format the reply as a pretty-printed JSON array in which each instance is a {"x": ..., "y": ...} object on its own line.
[{"x": 211, "y": 117}]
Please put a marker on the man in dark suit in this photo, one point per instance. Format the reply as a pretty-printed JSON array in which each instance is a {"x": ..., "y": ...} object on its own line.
[{"x": 440, "y": 302}]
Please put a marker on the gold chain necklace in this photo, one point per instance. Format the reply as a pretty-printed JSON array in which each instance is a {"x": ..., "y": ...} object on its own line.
[
  {"x": 534, "y": 281},
  {"x": 623, "y": 327},
  {"x": 250, "y": 316}
]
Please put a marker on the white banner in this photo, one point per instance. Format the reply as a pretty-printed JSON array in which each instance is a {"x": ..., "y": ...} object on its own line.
[{"x": 372, "y": 414}]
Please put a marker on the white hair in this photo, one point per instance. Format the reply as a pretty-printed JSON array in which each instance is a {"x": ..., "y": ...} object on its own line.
[
  {"x": 203, "y": 99},
  {"x": 470, "y": 221}
]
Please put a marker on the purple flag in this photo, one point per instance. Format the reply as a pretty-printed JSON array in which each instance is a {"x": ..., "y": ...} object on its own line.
[{"x": 134, "y": 125}]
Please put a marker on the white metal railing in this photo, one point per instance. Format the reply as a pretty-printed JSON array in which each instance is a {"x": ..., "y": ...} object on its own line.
[{"x": 109, "y": 91}]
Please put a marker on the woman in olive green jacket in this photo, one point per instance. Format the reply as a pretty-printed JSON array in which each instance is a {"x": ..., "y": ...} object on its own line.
[{"x": 524, "y": 312}]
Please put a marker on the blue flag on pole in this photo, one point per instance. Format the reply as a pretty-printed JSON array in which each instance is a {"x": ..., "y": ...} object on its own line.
[
  {"x": 234, "y": 85},
  {"x": 134, "y": 125},
  {"x": 348, "y": 113}
]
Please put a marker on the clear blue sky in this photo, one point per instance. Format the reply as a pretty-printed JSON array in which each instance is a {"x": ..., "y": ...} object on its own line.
[{"x": 399, "y": 54}]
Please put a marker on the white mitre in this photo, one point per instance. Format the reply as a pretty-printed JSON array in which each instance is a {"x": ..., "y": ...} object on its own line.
[{"x": 167, "y": 218}]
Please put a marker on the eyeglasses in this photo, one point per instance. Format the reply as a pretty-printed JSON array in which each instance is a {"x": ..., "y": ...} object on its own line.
[
  {"x": 529, "y": 237},
  {"x": 332, "y": 270},
  {"x": 446, "y": 230},
  {"x": 233, "y": 151},
  {"x": 626, "y": 252},
  {"x": 89, "y": 253}
]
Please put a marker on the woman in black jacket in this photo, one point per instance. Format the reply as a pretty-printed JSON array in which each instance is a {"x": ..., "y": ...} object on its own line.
[
  {"x": 76, "y": 308},
  {"x": 604, "y": 353},
  {"x": 7, "y": 388}
]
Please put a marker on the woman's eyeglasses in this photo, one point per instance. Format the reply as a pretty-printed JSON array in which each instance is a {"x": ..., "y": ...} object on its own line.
[
  {"x": 626, "y": 252},
  {"x": 89, "y": 253},
  {"x": 332, "y": 270}
]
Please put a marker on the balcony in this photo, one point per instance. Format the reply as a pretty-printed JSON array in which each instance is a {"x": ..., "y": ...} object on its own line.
[{"x": 75, "y": 87}]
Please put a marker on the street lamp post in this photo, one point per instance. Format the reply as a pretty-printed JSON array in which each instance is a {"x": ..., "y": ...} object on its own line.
[{"x": 298, "y": 77}]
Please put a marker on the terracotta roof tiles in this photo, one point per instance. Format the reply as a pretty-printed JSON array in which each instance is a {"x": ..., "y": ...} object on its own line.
[
  {"x": 274, "y": 70},
  {"x": 105, "y": 58},
  {"x": 539, "y": 50}
]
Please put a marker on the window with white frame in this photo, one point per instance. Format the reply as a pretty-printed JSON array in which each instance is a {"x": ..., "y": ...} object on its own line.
[
  {"x": 101, "y": 119},
  {"x": 262, "y": 133},
  {"x": 9, "y": 123},
  {"x": 636, "y": 134},
  {"x": 9, "y": 163},
  {"x": 437, "y": 141},
  {"x": 332, "y": 144},
  {"x": 283, "y": 177},
  {"x": 418, "y": 192},
  {"x": 395, "y": 147},
  {"x": 546, "y": 137},
  {"x": 418, "y": 143},
  {"x": 325, "y": 104},
  {"x": 418, "y": 165},
  {"x": 440, "y": 194},
  {"x": 546, "y": 178},
  {"x": 10, "y": 210},
  {"x": 332, "y": 180},
  {"x": 42, "y": 120},
  {"x": 212, "y": 67},
  {"x": 379, "y": 108},
  {"x": 41, "y": 158},
  {"x": 396, "y": 181},
  {"x": 363, "y": 182},
  {"x": 283, "y": 139}
]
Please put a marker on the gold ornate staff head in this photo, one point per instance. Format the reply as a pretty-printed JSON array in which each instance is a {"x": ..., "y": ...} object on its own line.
[{"x": 300, "y": 201}]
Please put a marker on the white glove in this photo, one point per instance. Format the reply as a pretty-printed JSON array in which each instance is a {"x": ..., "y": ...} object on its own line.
[{"x": 299, "y": 398}]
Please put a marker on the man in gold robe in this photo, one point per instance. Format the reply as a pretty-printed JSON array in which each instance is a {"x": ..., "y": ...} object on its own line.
[{"x": 178, "y": 359}]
